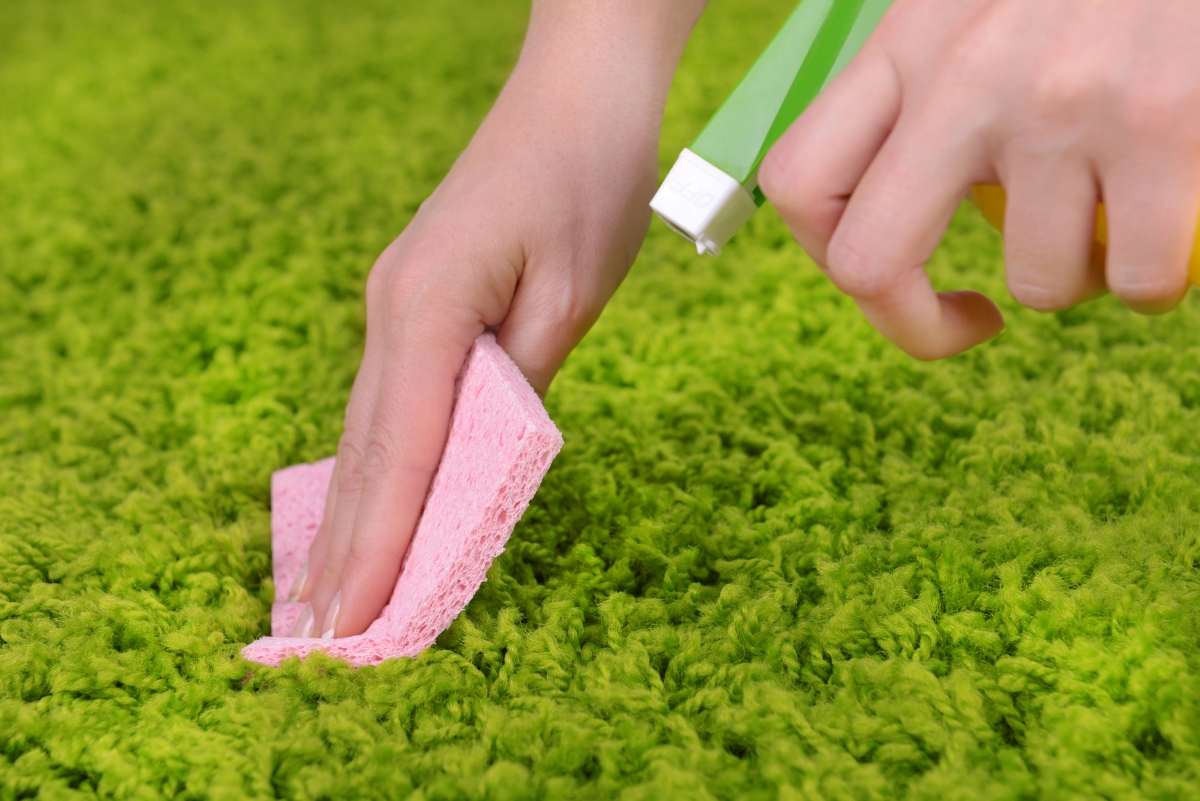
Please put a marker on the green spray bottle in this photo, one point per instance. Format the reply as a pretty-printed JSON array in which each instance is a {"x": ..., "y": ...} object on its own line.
[
  {"x": 712, "y": 191},
  {"x": 713, "y": 188}
]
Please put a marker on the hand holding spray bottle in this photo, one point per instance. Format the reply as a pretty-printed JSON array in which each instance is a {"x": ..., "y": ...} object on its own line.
[{"x": 712, "y": 190}]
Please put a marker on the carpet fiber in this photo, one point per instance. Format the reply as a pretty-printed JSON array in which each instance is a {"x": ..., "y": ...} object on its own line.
[{"x": 776, "y": 559}]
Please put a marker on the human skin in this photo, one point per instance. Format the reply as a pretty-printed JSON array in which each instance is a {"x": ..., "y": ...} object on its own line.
[
  {"x": 530, "y": 233},
  {"x": 1066, "y": 103}
]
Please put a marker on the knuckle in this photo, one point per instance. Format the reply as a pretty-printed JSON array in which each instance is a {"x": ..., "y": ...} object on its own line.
[
  {"x": 378, "y": 278},
  {"x": 398, "y": 282},
  {"x": 349, "y": 466},
  {"x": 799, "y": 205},
  {"x": 964, "y": 60},
  {"x": 855, "y": 269},
  {"x": 402, "y": 282},
  {"x": 567, "y": 312},
  {"x": 970, "y": 58},
  {"x": 776, "y": 180},
  {"x": 388, "y": 465},
  {"x": 361, "y": 552},
  {"x": 381, "y": 455},
  {"x": 327, "y": 585},
  {"x": 805, "y": 202},
  {"x": 1063, "y": 94},
  {"x": 1153, "y": 109}
]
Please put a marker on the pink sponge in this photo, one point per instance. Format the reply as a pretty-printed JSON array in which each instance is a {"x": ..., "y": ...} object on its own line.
[{"x": 500, "y": 445}]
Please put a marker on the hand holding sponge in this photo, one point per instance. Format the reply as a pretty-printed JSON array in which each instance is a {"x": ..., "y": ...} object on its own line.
[{"x": 500, "y": 445}]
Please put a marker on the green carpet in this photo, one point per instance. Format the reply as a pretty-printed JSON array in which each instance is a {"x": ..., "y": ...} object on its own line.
[{"x": 777, "y": 559}]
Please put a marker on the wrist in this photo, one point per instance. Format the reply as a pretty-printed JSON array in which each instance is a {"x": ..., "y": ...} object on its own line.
[
  {"x": 585, "y": 101},
  {"x": 608, "y": 61},
  {"x": 649, "y": 33}
]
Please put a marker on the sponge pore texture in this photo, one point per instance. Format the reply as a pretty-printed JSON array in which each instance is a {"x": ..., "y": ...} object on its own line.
[{"x": 776, "y": 559}]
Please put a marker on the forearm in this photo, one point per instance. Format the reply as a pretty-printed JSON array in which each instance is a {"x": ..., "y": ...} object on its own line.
[
  {"x": 611, "y": 60},
  {"x": 645, "y": 37},
  {"x": 531, "y": 232}
]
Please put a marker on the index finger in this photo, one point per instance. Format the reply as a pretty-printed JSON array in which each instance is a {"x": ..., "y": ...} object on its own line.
[
  {"x": 424, "y": 353},
  {"x": 869, "y": 187}
]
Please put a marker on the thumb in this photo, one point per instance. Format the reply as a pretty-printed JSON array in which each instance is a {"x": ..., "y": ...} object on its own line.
[{"x": 549, "y": 315}]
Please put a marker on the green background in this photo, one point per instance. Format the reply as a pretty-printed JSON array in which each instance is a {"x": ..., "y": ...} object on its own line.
[{"x": 776, "y": 559}]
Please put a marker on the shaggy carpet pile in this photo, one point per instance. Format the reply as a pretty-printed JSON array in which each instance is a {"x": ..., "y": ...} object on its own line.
[{"x": 777, "y": 559}]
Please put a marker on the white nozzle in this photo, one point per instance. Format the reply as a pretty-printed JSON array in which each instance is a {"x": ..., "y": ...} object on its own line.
[{"x": 703, "y": 203}]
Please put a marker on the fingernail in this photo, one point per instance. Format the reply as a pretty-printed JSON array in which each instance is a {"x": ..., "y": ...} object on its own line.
[
  {"x": 298, "y": 583},
  {"x": 331, "y": 616},
  {"x": 304, "y": 625}
]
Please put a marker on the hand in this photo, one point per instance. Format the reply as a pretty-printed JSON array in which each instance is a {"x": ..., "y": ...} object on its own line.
[
  {"x": 530, "y": 233},
  {"x": 1066, "y": 103}
]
